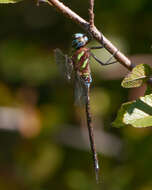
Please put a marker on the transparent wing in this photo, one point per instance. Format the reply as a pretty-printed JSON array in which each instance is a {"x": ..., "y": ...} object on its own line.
[
  {"x": 64, "y": 63},
  {"x": 80, "y": 91}
]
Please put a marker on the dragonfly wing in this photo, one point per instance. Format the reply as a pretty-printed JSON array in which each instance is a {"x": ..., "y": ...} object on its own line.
[
  {"x": 69, "y": 67},
  {"x": 65, "y": 64},
  {"x": 80, "y": 91}
]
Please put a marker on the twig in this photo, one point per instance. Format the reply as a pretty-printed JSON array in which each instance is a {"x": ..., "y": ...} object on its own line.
[
  {"x": 94, "y": 32},
  {"x": 91, "y": 137},
  {"x": 91, "y": 14}
]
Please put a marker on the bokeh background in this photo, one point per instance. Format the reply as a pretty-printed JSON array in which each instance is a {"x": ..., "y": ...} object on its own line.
[{"x": 43, "y": 135}]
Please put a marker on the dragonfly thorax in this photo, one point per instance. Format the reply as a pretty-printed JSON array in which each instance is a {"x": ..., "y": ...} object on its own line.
[{"x": 80, "y": 61}]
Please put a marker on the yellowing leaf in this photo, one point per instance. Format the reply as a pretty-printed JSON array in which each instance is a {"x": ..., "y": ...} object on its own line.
[{"x": 137, "y": 76}]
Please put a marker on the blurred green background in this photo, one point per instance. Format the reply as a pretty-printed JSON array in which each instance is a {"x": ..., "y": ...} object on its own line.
[{"x": 43, "y": 135}]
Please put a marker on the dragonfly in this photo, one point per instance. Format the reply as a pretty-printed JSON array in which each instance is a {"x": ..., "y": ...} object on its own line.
[{"x": 77, "y": 67}]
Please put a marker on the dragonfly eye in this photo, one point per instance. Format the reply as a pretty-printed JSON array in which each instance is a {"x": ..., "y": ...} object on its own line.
[
  {"x": 79, "y": 40},
  {"x": 78, "y": 35}
]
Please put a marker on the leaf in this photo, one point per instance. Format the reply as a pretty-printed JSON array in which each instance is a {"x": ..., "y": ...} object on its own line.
[
  {"x": 9, "y": 1},
  {"x": 148, "y": 89},
  {"x": 137, "y": 76},
  {"x": 136, "y": 113}
]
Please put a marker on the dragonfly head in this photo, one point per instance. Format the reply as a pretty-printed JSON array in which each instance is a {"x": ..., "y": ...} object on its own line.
[{"x": 79, "y": 40}]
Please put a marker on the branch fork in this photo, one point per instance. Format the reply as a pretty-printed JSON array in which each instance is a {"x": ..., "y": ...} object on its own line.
[{"x": 91, "y": 29}]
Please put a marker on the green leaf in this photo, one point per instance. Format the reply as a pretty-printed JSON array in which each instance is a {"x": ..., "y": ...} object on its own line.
[
  {"x": 148, "y": 89},
  {"x": 9, "y": 1},
  {"x": 137, "y": 76},
  {"x": 136, "y": 113}
]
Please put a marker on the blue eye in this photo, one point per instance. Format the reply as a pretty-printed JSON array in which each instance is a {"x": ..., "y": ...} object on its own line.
[
  {"x": 75, "y": 42},
  {"x": 79, "y": 40},
  {"x": 79, "y": 44},
  {"x": 78, "y": 35},
  {"x": 86, "y": 39}
]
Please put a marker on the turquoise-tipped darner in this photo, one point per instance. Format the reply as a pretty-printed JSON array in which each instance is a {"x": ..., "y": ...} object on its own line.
[{"x": 78, "y": 66}]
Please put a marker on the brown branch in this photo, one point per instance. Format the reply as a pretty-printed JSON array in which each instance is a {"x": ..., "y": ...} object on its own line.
[
  {"x": 95, "y": 33},
  {"x": 91, "y": 14}
]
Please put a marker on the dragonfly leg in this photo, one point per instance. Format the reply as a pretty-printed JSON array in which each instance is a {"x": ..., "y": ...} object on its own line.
[
  {"x": 97, "y": 47},
  {"x": 107, "y": 62}
]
